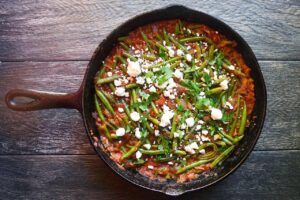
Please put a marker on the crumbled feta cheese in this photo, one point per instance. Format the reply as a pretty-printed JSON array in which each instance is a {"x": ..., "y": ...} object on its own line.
[
  {"x": 206, "y": 70},
  {"x": 133, "y": 68},
  {"x": 228, "y": 105},
  {"x": 224, "y": 84},
  {"x": 200, "y": 122},
  {"x": 120, "y": 132},
  {"x": 217, "y": 137},
  {"x": 171, "y": 52},
  {"x": 166, "y": 93},
  {"x": 181, "y": 64},
  {"x": 202, "y": 151},
  {"x": 172, "y": 96},
  {"x": 148, "y": 80},
  {"x": 166, "y": 117},
  {"x": 202, "y": 93},
  {"x": 138, "y": 155},
  {"x": 135, "y": 116},
  {"x": 140, "y": 80},
  {"x": 179, "y": 52},
  {"x": 198, "y": 127},
  {"x": 152, "y": 89},
  {"x": 156, "y": 132},
  {"x": 120, "y": 91},
  {"x": 190, "y": 122},
  {"x": 183, "y": 126},
  {"x": 204, "y": 139},
  {"x": 137, "y": 133},
  {"x": 231, "y": 67},
  {"x": 216, "y": 114},
  {"x": 109, "y": 74},
  {"x": 117, "y": 82},
  {"x": 170, "y": 163},
  {"x": 147, "y": 146},
  {"x": 171, "y": 84},
  {"x": 150, "y": 167},
  {"x": 204, "y": 132},
  {"x": 178, "y": 74},
  {"x": 126, "y": 94},
  {"x": 188, "y": 57},
  {"x": 120, "y": 110},
  {"x": 176, "y": 134},
  {"x": 191, "y": 147}
]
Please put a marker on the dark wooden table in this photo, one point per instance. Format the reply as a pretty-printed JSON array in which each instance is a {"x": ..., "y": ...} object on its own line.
[{"x": 45, "y": 45}]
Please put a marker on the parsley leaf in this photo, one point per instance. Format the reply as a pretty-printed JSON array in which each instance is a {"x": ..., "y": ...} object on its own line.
[
  {"x": 143, "y": 105},
  {"x": 193, "y": 86},
  {"x": 167, "y": 73},
  {"x": 207, "y": 78},
  {"x": 203, "y": 104}
]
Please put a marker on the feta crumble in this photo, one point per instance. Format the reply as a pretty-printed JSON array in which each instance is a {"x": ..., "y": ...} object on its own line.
[
  {"x": 216, "y": 114},
  {"x": 134, "y": 68},
  {"x": 120, "y": 132},
  {"x": 135, "y": 116},
  {"x": 120, "y": 91}
]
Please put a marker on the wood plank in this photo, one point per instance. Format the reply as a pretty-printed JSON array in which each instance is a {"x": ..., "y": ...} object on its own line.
[
  {"x": 68, "y": 30},
  {"x": 62, "y": 132},
  {"x": 264, "y": 175}
]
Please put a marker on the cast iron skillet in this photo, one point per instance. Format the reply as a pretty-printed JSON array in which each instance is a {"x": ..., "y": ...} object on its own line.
[{"x": 82, "y": 100}]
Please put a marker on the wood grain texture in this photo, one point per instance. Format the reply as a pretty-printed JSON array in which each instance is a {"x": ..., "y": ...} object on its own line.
[
  {"x": 71, "y": 30},
  {"x": 62, "y": 131},
  {"x": 265, "y": 175}
]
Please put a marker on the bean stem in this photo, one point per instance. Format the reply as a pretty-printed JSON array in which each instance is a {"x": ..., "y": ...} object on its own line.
[
  {"x": 221, "y": 156},
  {"x": 107, "y": 80},
  {"x": 105, "y": 101}
]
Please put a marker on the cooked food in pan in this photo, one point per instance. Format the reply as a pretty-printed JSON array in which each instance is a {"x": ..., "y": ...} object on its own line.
[{"x": 173, "y": 98}]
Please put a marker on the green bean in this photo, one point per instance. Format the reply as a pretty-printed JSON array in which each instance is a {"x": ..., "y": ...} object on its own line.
[
  {"x": 160, "y": 46},
  {"x": 173, "y": 128},
  {"x": 131, "y": 86},
  {"x": 105, "y": 101},
  {"x": 124, "y": 46},
  {"x": 202, "y": 66},
  {"x": 192, "y": 39},
  {"x": 214, "y": 91},
  {"x": 112, "y": 87},
  {"x": 166, "y": 159},
  {"x": 243, "y": 120},
  {"x": 220, "y": 143},
  {"x": 233, "y": 126},
  {"x": 153, "y": 120},
  {"x": 123, "y": 38},
  {"x": 198, "y": 51},
  {"x": 158, "y": 37},
  {"x": 106, "y": 132},
  {"x": 221, "y": 156},
  {"x": 131, "y": 57},
  {"x": 107, "y": 80},
  {"x": 166, "y": 38},
  {"x": 148, "y": 42},
  {"x": 101, "y": 72},
  {"x": 109, "y": 97},
  {"x": 177, "y": 44},
  {"x": 235, "y": 72},
  {"x": 126, "y": 108},
  {"x": 180, "y": 152},
  {"x": 132, "y": 150},
  {"x": 192, "y": 165},
  {"x": 211, "y": 52},
  {"x": 175, "y": 64},
  {"x": 149, "y": 57},
  {"x": 154, "y": 108},
  {"x": 208, "y": 155},
  {"x": 164, "y": 62},
  {"x": 99, "y": 111},
  {"x": 121, "y": 59},
  {"x": 152, "y": 152}
]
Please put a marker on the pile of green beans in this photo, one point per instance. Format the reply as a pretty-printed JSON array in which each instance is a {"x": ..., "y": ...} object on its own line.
[{"x": 194, "y": 135}]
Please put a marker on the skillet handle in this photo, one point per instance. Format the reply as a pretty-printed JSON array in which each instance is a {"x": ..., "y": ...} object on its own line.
[{"x": 43, "y": 100}]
